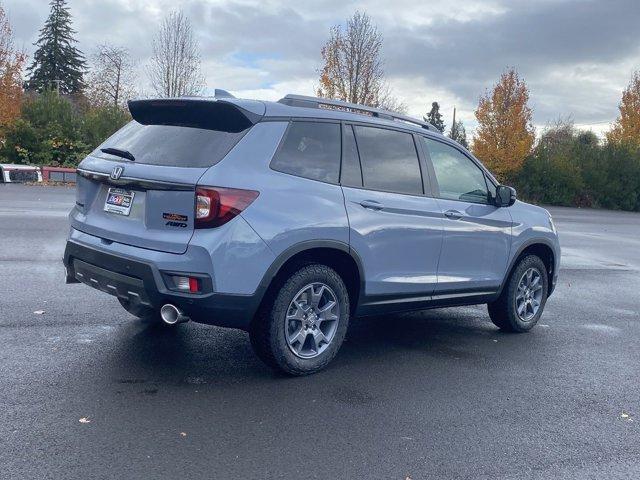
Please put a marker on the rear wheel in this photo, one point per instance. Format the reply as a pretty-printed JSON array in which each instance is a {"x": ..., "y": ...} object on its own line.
[
  {"x": 523, "y": 298},
  {"x": 302, "y": 327}
]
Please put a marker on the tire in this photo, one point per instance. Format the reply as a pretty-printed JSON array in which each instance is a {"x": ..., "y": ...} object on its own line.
[
  {"x": 144, "y": 313},
  {"x": 505, "y": 312},
  {"x": 284, "y": 334}
]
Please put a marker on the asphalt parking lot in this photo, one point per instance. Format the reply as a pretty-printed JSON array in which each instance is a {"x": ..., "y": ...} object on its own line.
[{"x": 86, "y": 391}]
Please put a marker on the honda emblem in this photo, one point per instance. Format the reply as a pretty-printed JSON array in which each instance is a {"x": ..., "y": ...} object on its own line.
[{"x": 116, "y": 173}]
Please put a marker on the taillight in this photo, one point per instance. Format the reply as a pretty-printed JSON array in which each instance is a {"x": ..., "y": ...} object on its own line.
[{"x": 215, "y": 206}]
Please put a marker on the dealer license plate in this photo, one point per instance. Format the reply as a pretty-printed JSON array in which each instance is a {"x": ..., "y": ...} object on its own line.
[{"x": 119, "y": 201}]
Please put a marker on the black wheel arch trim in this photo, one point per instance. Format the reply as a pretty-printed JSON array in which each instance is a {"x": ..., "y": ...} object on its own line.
[
  {"x": 301, "y": 247},
  {"x": 522, "y": 248}
]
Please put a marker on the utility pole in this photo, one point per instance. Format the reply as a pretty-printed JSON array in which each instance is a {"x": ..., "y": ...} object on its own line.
[{"x": 453, "y": 125}]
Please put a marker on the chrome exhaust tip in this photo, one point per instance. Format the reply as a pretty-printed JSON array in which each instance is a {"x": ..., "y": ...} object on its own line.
[{"x": 171, "y": 315}]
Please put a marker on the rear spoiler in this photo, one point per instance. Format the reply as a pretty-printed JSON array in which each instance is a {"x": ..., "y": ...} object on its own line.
[{"x": 210, "y": 114}]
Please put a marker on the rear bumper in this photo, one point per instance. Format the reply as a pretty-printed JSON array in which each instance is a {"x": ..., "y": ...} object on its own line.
[{"x": 142, "y": 282}]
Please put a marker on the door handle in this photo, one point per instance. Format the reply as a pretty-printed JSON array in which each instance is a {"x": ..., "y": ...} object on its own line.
[
  {"x": 453, "y": 214},
  {"x": 371, "y": 204}
]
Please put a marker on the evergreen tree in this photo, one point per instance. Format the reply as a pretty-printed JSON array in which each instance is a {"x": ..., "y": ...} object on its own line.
[
  {"x": 56, "y": 62},
  {"x": 459, "y": 134},
  {"x": 434, "y": 117}
]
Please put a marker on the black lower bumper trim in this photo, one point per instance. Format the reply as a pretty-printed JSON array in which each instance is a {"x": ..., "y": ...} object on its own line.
[
  {"x": 121, "y": 286},
  {"x": 135, "y": 281}
]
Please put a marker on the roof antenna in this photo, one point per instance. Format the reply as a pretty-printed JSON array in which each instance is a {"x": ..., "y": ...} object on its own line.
[{"x": 219, "y": 93}]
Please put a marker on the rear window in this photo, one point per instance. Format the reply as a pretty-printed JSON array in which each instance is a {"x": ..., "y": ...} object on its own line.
[
  {"x": 170, "y": 145},
  {"x": 310, "y": 150}
]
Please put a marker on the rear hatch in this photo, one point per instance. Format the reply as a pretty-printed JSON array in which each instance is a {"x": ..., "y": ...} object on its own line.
[{"x": 138, "y": 187}]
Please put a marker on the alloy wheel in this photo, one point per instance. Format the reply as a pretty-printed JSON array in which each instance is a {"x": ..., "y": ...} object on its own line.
[
  {"x": 529, "y": 294},
  {"x": 312, "y": 320}
]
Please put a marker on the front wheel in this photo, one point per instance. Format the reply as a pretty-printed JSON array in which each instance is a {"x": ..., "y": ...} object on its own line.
[
  {"x": 303, "y": 326},
  {"x": 523, "y": 298}
]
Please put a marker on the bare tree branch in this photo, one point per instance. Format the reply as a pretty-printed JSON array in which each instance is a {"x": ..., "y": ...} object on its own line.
[
  {"x": 111, "y": 81},
  {"x": 175, "y": 64},
  {"x": 353, "y": 68}
]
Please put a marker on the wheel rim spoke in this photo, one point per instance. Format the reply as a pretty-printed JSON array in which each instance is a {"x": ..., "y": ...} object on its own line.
[
  {"x": 298, "y": 315},
  {"x": 316, "y": 296},
  {"x": 298, "y": 336},
  {"x": 319, "y": 338}
]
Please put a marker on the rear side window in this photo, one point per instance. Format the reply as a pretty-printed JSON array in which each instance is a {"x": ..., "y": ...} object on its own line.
[
  {"x": 459, "y": 178},
  {"x": 310, "y": 150},
  {"x": 389, "y": 160},
  {"x": 171, "y": 146}
]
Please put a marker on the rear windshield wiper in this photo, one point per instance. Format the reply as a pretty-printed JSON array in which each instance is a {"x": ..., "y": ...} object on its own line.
[{"x": 119, "y": 153}]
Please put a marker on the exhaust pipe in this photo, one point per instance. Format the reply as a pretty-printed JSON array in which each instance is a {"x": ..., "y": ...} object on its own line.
[{"x": 171, "y": 315}]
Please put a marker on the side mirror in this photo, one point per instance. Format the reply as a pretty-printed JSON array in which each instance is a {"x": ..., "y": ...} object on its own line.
[{"x": 505, "y": 196}]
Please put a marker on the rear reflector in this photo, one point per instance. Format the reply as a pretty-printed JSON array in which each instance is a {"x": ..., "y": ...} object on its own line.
[
  {"x": 186, "y": 284},
  {"x": 215, "y": 206}
]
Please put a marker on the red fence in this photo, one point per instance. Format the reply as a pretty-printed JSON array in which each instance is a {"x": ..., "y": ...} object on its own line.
[{"x": 58, "y": 174}]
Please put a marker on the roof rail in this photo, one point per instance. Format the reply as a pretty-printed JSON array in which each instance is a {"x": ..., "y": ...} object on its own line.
[{"x": 330, "y": 104}]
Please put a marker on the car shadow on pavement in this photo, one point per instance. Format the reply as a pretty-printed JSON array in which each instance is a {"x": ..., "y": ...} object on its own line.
[{"x": 193, "y": 353}]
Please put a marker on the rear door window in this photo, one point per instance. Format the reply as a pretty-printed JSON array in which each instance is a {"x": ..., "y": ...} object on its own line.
[
  {"x": 458, "y": 177},
  {"x": 310, "y": 150},
  {"x": 171, "y": 146},
  {"x": 389, "y": 160}
]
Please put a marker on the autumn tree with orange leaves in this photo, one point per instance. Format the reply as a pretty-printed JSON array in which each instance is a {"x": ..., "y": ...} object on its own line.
[
  {"x": 626, "y": 129},
  {"x": 11, "y": 62},
  {"x": 505, "y": 134}
]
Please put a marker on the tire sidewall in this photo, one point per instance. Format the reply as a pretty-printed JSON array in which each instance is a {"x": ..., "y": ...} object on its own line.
[{"x": 285, "y": 358}]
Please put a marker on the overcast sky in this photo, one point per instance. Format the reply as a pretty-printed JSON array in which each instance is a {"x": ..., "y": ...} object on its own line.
[{"x": 575, "y": 55}]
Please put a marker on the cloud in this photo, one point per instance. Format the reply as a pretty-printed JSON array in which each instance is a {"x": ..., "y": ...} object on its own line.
[
  {"x": 569, "y": 52},
  {"x": 576, "y": 55}
]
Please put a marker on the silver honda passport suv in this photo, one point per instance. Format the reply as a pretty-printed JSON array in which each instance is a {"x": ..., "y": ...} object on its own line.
[{"x": 287, "y": 219}]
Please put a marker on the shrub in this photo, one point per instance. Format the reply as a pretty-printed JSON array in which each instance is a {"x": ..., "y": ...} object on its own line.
[
  {"x": 53, "y": 130},
  {"x": 102, "y": 122},
  {"x": 573, "y": 169}
]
